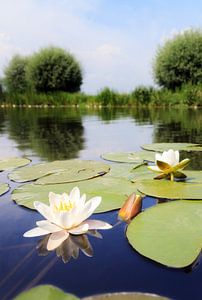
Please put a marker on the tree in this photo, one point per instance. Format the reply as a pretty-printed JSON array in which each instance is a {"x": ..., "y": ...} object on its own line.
[
  {"x": 179, "y": 60},
  {"x": 54, "y": 69},
  {"x": 15, "y": 77}
]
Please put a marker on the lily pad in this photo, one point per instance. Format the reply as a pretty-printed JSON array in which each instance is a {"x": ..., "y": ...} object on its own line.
[
  {"x": 45, "y": 292},
  {"x": 125, "y": 296},
  {"x": 160, "y": 147},
  {"x": 60, "y": 171},
  {"x": 170, "y": 190},
  {"x": 129, "y": 157},
  {"x": 4, "y": 187},
  {"x": 9, "y": 163},
  {"x": 114, "y": 192},
  {"x": 120, "y": 170},
  {"x": 169, "y": 233}
]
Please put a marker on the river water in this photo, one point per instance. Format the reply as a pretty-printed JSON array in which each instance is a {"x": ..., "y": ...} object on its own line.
[{"x": 63, "y": 133}]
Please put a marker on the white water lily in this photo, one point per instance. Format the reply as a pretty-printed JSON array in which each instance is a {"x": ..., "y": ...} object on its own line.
[
  {"x": 168, "y": 164},
  {"x": 67, "y": 214}
]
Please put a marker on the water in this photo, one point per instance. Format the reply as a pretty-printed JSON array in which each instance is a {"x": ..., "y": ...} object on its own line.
[{"x": 49, "y": 134}]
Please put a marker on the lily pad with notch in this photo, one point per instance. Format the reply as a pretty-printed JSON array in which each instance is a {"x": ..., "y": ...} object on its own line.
[
  {"x": 60, "y": 171},
  {"x": 9, "y": 163},
  {"x": 170, "y": 190},
  {"x": 168, "y": 233},
  {"x": 160, "y": 147},
  {"x": 129, "y": 157},
  {"x": 114, "y": 191}
]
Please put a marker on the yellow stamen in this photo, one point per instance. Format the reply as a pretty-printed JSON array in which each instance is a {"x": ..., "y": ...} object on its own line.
[{"x": 63, "y": 206}]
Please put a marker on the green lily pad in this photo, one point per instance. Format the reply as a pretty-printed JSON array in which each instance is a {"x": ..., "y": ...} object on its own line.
[
  {"x": 4, "y": 187},
  {"x": 129, "y": 157},
  {"x": 169, "y": 233},
  {"x": 9, "y": 163},
  {"x": 125, "y": 296},
  {"x": 45, "y": 292},
  {"x": 160, "y": 147},
  {"x": 114, "y": 192},
  {"x": 170, "y": 190},
  {"x": 60, "y": 171},
  {"x": 120, "y": 170}
]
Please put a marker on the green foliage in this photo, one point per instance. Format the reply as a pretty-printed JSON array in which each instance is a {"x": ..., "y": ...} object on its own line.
[
  {"x": 179, "y": 61},
  {"x": 54, "y": 69},
  {"x": 142, "y": 94},
  {"x": 106, "y": 97},
  {"x": 15, "y": 79}
]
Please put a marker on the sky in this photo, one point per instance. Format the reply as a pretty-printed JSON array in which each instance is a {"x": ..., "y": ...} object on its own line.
[{"x": 114, "y": 40}]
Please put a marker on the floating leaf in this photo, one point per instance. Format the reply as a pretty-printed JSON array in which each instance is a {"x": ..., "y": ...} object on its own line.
[
  {"x": 160, "y": 147},
  {"x": 4, "y": 187},
  {"x": 114, "y": 192},
  {"x": 45, "y": 292},
  {"x": 125, "y": 296},
  {"x": 169, "y": 233},
  {"x": 120, "y": 170},
  {"x": 129, "y": 157},
  {"x": 60, "y": 171},
  {"x": 171, "y": 190},
  {"x": 9, "y": 163}
]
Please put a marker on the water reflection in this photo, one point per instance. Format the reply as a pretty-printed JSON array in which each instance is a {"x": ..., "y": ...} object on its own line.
[
  {"x": 61, "y": 133},
  {"x": 50, "y": 134},
  {"x": 70, "y": 247}
]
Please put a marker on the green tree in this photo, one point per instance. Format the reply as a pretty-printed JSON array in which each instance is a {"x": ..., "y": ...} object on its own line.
[
  {"x": 15, "y": 77},
  {"x": 179, "y": 60},
  {"x": 54, "y": 69}
]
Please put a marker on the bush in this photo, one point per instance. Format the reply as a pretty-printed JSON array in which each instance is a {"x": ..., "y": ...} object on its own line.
[
  {"x": 15, "y": 77},
  {"x": 142, "y": 94},
  {"x": 53, "y": 69},
  {"x": 179, "y": 61},
  {"x": 107, "y": 97}
]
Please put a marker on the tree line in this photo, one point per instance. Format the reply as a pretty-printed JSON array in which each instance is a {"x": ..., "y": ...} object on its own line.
[{"x": 177, "y": 70}]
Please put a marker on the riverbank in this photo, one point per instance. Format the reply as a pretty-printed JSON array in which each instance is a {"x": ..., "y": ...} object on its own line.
[{"x": 188, "y": 96}]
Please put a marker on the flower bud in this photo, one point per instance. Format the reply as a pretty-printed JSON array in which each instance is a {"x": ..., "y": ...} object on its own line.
[{"x": 131, "y": 207}]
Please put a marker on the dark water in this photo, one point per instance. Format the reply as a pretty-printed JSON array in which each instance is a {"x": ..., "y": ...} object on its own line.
[{"x": 49, "y": 134}]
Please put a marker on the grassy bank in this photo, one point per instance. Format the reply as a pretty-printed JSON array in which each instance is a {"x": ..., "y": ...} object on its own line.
[{"x": 188, "y": 95}]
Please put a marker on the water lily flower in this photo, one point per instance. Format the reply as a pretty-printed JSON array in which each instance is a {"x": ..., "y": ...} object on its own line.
[
  {"x": 131, "y": 207},
  {"x": 67, "y": 214},
  {"x": 168, "y": 164}
]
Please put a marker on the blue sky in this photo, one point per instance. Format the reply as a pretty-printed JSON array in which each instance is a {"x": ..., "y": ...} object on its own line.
[{"x": 115, "y": 40}]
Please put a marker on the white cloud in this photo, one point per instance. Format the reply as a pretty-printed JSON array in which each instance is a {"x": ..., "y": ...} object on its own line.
[{"x": 110, "y": 56}]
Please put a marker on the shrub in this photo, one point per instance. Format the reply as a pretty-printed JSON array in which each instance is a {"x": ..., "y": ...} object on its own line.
[
  {"x": 179, "y": 61},
  {"x": 142, "y": 94},
  {"x": 107, "y": 97},
  {"x": 54, "y": 69},
  {"x": 15, "y": 78}
]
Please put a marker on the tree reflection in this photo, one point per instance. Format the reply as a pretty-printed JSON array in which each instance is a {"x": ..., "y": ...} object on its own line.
[{"x": 51, "y": 134}]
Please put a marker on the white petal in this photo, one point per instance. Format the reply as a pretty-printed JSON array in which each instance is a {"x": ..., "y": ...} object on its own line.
[
  {"x": 154, "y": 168},
  {"x": 65, "y": 219},
  {"x": 97, "y": 224},
  {"x": 46, "y": 225},
  {"x": 35, "y": 232},
  {"x": 56, "y": 239},
  {"x": 44, "y": 210},
  {"x": 74, "y": 195},
  {"x": 165, "y": 157},
  {"x": 177, "y": 157},
  {"x": 89, "y": 208},
  {"x": 80, "y": 229},
  {"x": 158, "y": 156}
]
